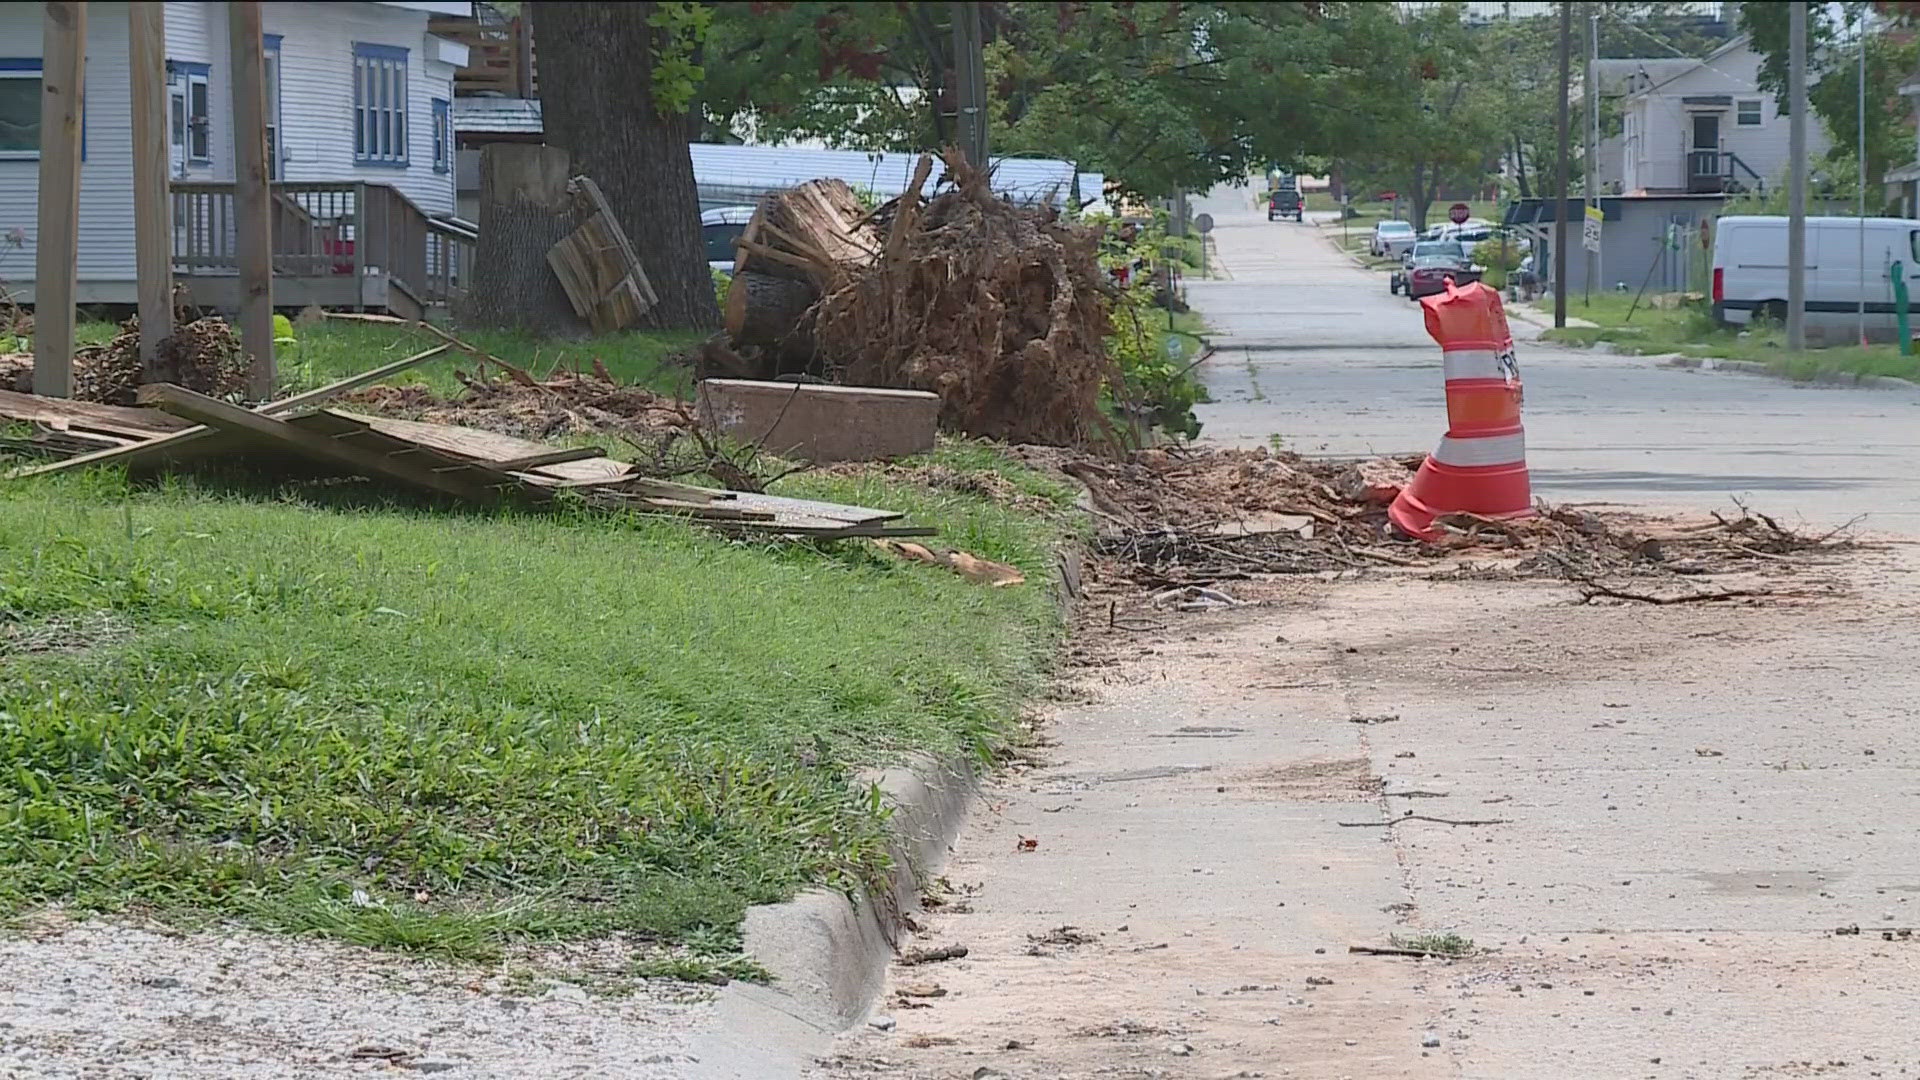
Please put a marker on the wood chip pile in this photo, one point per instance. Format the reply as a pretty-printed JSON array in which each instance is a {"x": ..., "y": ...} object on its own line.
[
  {"x": 204, "y": 355},
  {"x": 999, "y": 309}
]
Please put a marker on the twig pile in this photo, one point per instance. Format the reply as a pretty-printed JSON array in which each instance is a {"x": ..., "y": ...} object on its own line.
[
  {"x": 514, "y": 402},
  {"x": 1187, "y": 517}
]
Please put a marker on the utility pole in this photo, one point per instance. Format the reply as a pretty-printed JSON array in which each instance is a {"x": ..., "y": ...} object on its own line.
[
  {"x": 63, "y": 74},
  {"x": 1593, "y": 135},
  {"x": 970, "y": 81},
  {"x": 152, "y": 202},
  {"x": 252, "y": 204},
  {"x": 1797, "y": 176},
  {"x": 1860, "y": 312},
  {"x": 1561, "y": 181}
]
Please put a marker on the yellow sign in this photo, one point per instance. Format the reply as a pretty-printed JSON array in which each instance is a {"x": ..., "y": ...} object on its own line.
[{"x": 1594, "y": 213}]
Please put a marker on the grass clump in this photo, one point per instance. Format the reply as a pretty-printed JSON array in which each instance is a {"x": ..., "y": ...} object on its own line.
[
  {"x": 1689, "y": 330},
  {"x": 1447, "y": 944},
  {"x": 442, "y": 730}
]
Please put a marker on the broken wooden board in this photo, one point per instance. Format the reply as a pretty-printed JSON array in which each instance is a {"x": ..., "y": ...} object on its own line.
[
  {"x": 181, "y": 444},
  {"x": 342, "y": 441},
  {"x": 62, "y": 414},
  {"x": 598, "y": 268}
]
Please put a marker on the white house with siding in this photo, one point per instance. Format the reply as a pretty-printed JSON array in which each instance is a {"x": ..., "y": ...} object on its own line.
[
  {"x": 1707, "y": 128},
  {"x": 360, "y": 137}
]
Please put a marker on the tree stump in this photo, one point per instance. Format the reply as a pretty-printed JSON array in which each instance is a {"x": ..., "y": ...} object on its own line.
[{"x": 524, "y": 210}]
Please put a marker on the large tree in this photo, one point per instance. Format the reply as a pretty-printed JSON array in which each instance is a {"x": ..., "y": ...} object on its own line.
[
  {"x": 618, "y": 85},
  {"x": 1833, "y": 82},
  {"x": 1159, "y": 96}
]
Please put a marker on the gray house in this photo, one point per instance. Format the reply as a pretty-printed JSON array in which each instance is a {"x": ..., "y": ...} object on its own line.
[{"x": 1656, "y": 241}]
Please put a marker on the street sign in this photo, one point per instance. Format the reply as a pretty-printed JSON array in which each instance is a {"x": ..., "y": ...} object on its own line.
[
  {"x": 1203, "y": 222},
  {"x": 1457, "y": 213},
  {"x": 1590, "y": 231}
]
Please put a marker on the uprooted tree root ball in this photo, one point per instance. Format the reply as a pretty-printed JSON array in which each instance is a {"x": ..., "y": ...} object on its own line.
[
  {"x": 1002, "y": 310},
  {"x": 995, "y": 307}
]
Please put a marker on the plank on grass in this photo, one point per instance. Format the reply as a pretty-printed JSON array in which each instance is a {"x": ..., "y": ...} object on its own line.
[
  {"x": 381, "y": 456},
  {"x": 171, "y": 444}
]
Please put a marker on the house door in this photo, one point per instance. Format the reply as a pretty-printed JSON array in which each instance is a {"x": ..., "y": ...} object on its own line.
[{"x": 1706, "y": 131}]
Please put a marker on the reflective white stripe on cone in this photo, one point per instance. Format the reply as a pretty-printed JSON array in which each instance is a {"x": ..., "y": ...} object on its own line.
[
  {"x": 1472, "y": 364},
  {"x": 1474, "y": 453}
]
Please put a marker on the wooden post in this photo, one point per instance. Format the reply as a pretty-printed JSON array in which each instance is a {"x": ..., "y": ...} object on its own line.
[
  {"x": 152, "y": 202},
  {"x": 63, "y": 76},
  {"x": 252, "y": 202}
]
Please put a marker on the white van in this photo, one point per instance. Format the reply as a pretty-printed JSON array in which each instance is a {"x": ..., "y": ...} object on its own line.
[{"x": 1847, "y": 261}]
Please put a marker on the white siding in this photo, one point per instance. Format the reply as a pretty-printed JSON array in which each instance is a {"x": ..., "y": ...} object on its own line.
[
  {"x": 316, "y": 95},
  {"x": 106, "y": 177},
  {"x": 1668, "y": 127},
  {"x": 316, "y": 114}
]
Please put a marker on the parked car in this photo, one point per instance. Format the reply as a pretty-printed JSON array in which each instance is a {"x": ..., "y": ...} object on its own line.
[
  {"x": 1286, "y": 202},
  {"x": 719, "y": 228},
  {"x": 1750, "y": 271},
  {"x": 1430, "y": 272},
  {"x": 1391, "y": 238},
  {"x": 1452, "y": 249}
]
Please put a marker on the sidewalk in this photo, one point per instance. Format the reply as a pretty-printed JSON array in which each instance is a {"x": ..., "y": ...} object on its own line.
[{"x": 1527, "y": 313}]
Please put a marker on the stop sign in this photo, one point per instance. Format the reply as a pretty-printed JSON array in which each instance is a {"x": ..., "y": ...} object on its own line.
[{"x": 1457, "y": 213}]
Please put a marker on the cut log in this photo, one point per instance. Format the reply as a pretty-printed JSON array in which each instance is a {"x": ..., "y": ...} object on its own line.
[
  {"x": 770, "y": 313},
  {"x": 821, "y": 224}
]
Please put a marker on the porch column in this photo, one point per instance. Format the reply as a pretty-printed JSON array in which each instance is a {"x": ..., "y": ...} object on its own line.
[{"x": 63, "y": 75}]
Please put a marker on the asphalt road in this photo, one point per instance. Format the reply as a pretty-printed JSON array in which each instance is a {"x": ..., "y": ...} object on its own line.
[{"x": 1313, "y": 349}]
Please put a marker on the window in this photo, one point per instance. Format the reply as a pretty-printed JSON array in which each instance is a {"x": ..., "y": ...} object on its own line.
[
  {"x": 442, "y": 135},
  {"x": 197, "y": 134},
  {"x": 379, "y": 105},
  {"x": 270, "y": 72},
  {"x": 19, "y": 108},
  {"x": 1748, "y": 113}
]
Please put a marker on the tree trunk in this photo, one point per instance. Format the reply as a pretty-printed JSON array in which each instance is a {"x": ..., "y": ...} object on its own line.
[
  {"x": 1520, "y": 166},
  {"x": 597, "y": 102},
  {"x": 524, "y": 210},
  {"x": 1422, "y": 193}
]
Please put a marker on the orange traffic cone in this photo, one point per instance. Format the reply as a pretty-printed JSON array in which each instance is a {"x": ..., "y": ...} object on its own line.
[{"x": 1481, "y": 464}]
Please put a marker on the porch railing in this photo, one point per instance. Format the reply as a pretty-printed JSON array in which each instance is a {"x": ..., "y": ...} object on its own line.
[
  {"x": 328, "y": 230},
  {"x": 1720, "y": 170}
]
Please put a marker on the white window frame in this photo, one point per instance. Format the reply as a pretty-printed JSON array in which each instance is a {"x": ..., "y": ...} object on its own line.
[
  {"x": 380, "y": 100},
  {"x": 20, "y": 69},
  {"x": 273, "y": 71},
  {"x": 1740, "y": 112},
  {"x": 199, "y": 126}
]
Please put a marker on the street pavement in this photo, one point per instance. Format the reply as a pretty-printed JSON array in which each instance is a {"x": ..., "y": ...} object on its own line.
[
  {"x": 1313, "y": 349},
  {"x": 1679, "y": 837}
]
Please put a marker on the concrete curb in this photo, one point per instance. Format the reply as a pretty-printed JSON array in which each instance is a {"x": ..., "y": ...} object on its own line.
[
  {"x": 1754, "y": 367},
  {"x": 827, "y": 952}
]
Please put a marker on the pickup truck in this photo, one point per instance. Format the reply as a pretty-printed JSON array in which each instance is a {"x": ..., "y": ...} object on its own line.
[{"x": 1285, "y": 202}]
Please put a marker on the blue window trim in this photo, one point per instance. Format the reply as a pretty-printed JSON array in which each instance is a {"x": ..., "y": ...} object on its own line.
[
  {"x": 443, "y": 135},
  {"x": 271, "y": 42},
  {"x": 403, "y": 158},
  {"x": 189, "y": 67}
]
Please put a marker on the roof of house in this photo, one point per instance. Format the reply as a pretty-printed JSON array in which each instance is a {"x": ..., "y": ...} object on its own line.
[
  {"x": 1739, "y": 42},
  {"x": 1616, "y": 76},
  {"x": 747, "y": 172}
]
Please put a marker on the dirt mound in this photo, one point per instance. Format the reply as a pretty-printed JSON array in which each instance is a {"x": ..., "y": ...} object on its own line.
[{"x": 203, "y": 355}]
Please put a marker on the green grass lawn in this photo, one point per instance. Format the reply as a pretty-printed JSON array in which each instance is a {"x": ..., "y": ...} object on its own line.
[
  {"x": 325, "y": 352},
  {"x": 1690, "y": 331},
  {"x": 445, "y": 730}
]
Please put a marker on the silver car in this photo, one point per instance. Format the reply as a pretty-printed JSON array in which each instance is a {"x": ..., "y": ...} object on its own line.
[
  {"x": 719, "y": 228},
  {"x": 1391, "y": 239}
]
